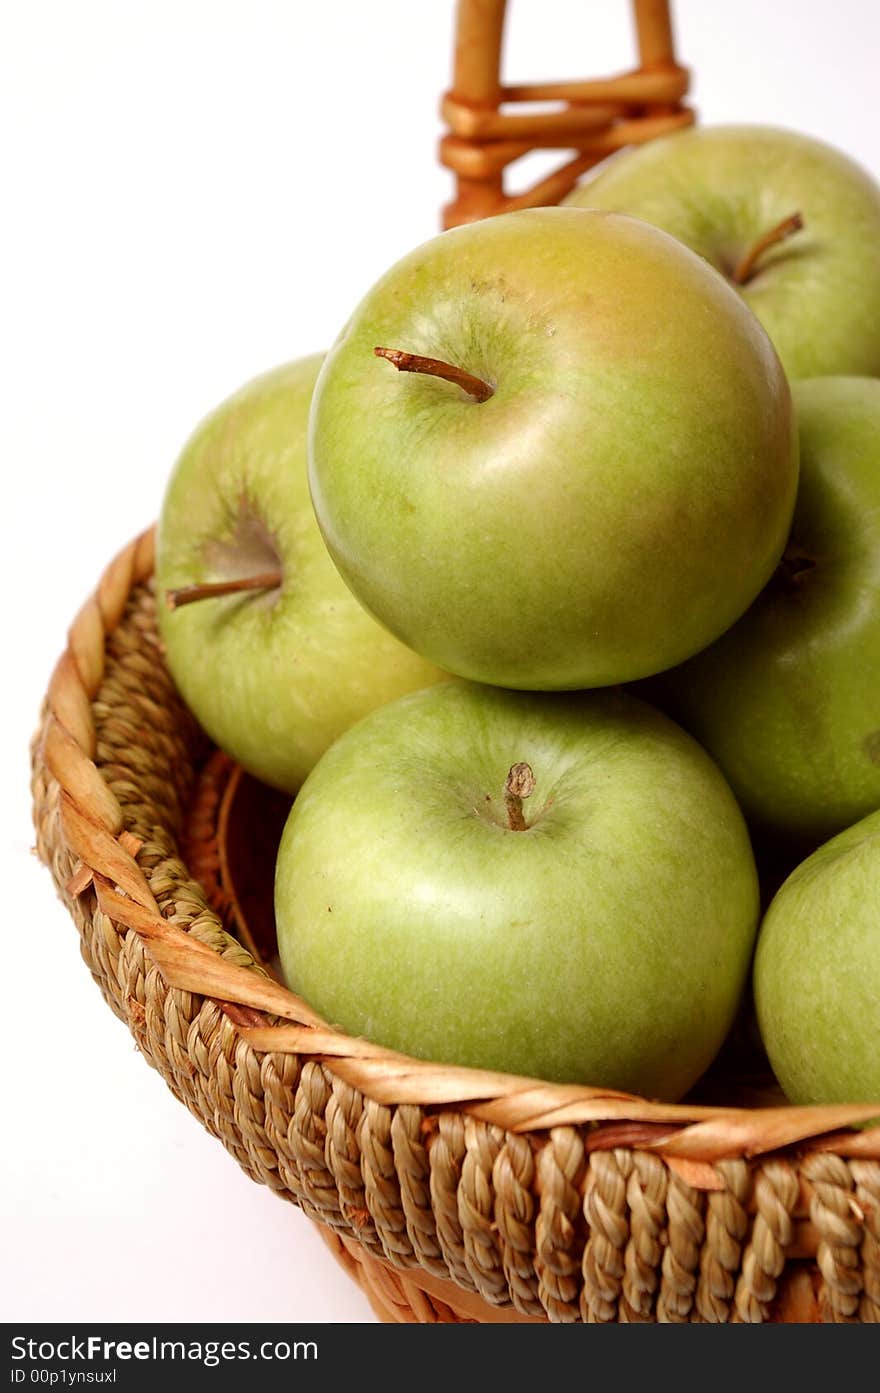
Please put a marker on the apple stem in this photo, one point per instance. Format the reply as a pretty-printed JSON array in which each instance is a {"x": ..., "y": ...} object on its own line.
[
  {"x": 267, "y": 580},
  {"x": 520, "y": 784},
  {"x": 435, "y": 367},
  {"x": 748, "y": 265}
]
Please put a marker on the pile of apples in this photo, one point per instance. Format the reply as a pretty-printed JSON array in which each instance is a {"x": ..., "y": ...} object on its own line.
[{"x": 553, "y": 594}]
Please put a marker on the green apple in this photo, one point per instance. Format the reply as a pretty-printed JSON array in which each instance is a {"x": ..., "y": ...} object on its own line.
[
  {"x": 601, "y": 487},
  {"x": 792, "y": 222},
  {"x": 276, "y": 673},
  {"x": 559, "y": 886},
  {"x": 817, "y": 973},
  {"x": 788, "y": 701}
]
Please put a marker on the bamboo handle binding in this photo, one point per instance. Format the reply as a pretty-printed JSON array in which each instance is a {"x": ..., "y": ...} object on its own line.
[{"x": 593, "y": 119}]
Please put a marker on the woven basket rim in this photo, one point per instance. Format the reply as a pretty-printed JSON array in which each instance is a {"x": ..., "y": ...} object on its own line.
[{"x": 92, "y": 827}]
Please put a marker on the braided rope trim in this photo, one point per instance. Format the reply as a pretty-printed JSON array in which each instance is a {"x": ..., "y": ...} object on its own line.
[{"x": 350, "y": 1131}]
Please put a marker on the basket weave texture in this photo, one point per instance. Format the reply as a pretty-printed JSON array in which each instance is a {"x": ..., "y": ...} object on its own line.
[{"x": 449, "y": 1193}]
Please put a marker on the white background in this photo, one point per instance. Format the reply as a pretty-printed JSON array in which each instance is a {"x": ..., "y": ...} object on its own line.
[{"x": 195, "y": 190}]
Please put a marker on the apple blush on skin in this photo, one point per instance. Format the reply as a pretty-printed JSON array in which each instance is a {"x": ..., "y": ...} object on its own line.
[
  {"x": 266, "y": 644},
  {"x": 558, "y": 886},
  {"x": 790, "y": 221},
  {"x": 583, "y": 470}
]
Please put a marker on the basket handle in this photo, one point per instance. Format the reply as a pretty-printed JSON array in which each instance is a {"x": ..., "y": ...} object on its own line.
[{"x": 593, "y": 118}]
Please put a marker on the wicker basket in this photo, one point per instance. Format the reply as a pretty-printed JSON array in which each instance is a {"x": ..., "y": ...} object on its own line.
[{"x": 451, "y": 1194}]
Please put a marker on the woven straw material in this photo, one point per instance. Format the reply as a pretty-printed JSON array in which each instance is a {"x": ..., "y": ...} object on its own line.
[{"x": 451, "y": 1194}]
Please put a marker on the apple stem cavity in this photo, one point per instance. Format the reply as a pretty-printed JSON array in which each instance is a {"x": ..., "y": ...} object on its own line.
[
  {"x": 747, "y": 267},
  {"x": 435, "y": 367},
  {"x": 794, "y": 567},
  {"x": 519, "y": 785},
  {"x": 187, "y": 594}
]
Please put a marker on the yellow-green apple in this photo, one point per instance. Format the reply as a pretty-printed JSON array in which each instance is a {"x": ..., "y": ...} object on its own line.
[
  {"x": 788, "y": 700},
  {"x": 587, "y": 471},
  {"x": 792, "y": 222},
  {"x": 817, "y": 973},
  {"x": 273, "y": 673},
  {"x": 555, "y": 885}
]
